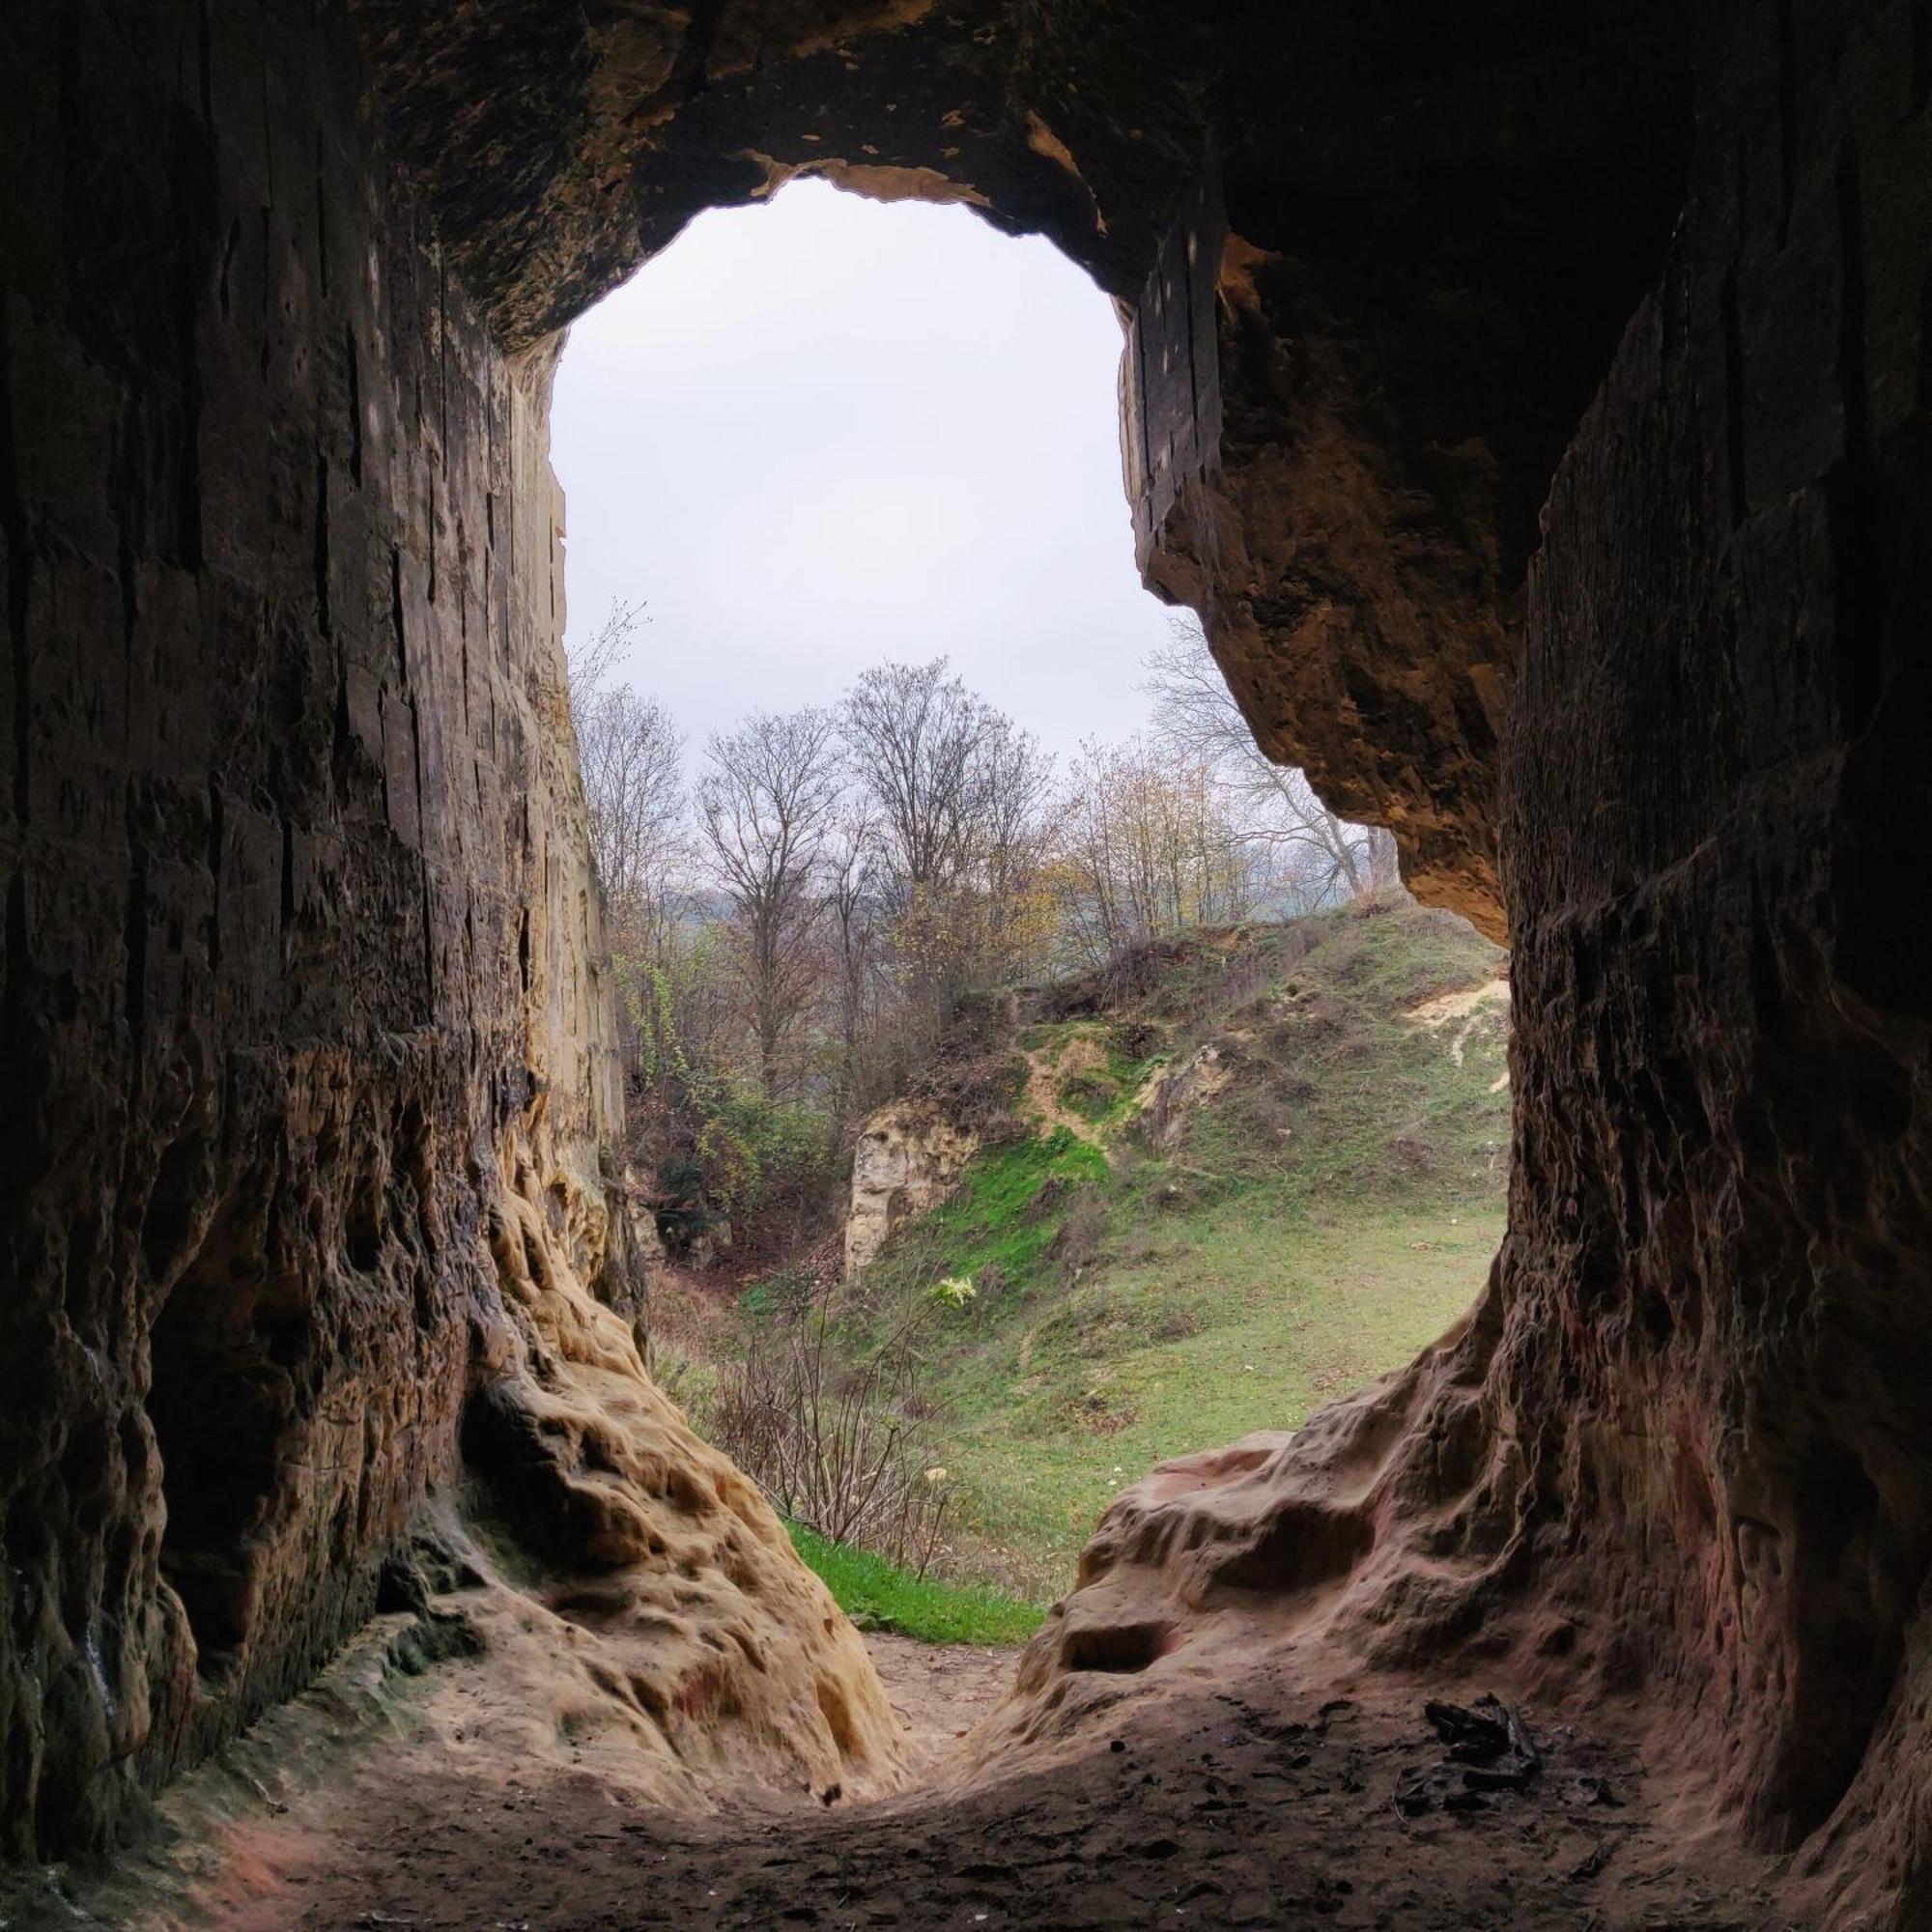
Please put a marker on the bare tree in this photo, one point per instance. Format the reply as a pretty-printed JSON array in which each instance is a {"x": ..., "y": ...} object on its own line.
[
  {"x": 854, "y": 915},
  {"x": 1146, "y": 846},
  {"x": 1015, "y": 781},
  {"x": 632, "y": 757},
  {"x": 1321, "y": 856},
  {"x": 914, "y": 736},
  {"x": 766, "y": 801},
  {"x": 956, "y": 789},
  {"x": 592, "y": 665}
]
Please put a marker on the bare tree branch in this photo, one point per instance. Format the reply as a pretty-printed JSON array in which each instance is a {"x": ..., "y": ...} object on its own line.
[
  {"x": 1321, "y": 857},
  {"x": 767, "y": 801}
]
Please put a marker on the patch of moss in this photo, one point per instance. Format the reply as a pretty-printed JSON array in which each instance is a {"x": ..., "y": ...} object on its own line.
[{"x": 989, "y": 1217}]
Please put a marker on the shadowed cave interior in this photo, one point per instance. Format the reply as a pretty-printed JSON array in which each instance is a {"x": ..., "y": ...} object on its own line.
[{"x": 1533, "y": 403}]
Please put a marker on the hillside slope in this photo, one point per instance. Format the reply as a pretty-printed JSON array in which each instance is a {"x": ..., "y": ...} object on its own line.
[{"x": 1234, "y": 1177}]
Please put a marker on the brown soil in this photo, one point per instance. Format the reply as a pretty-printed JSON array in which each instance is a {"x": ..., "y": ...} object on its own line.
[
  {"x": 938, "y": 1691},
  {"x": 1257, "y": 1803}
]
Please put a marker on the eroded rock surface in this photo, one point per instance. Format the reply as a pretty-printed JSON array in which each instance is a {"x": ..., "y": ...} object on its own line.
[
  {"x": 306, "y": 1164},
  {"x": 1258, "y": 1797}
]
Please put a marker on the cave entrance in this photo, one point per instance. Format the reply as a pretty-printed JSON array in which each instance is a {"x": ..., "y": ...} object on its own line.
[
  {"x": 1175, "y": 1118},
  {"x": 1537, "y": 415},
  {"x": 220, "y": 1407}
]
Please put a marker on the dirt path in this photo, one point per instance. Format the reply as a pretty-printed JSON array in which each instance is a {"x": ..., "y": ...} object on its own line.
[
  {"x": 1226, "y": 1811},
  {"x": 1042, "y": 1095},
  {"x": 1247, "y": 1804},
  {"x": 939, "y": 1691}
]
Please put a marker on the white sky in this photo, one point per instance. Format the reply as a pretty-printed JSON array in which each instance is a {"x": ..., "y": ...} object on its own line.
[{"x": 823, "y": 432}]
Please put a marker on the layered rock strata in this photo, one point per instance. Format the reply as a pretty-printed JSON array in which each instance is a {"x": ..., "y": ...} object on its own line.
[{"x": 307, "y": 1175}]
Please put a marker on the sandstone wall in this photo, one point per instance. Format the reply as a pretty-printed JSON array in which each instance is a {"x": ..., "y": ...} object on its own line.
[
  {"x": 1722, "y": 1188},
  {"x": 309, "y": 1093},
  {"x": 1675, "y": 1461}
]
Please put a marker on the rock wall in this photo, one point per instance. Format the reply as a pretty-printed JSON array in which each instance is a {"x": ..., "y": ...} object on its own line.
[
  {"x": 1674, "y": 1462},
  {"x": 1722, "y": 1152},
  {"x": 304, "y": 1159},
  {"x": 907, "y": 1158},
  {"x": 1419, "y": 273},
  {"x": 302, "y": 1182}
]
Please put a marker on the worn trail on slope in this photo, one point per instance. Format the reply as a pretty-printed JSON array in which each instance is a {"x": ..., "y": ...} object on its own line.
[{"x": 1045, "y": 1069}]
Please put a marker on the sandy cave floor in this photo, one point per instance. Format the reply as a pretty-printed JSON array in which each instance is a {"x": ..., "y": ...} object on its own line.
[{"x": 1255, "y": 1805}]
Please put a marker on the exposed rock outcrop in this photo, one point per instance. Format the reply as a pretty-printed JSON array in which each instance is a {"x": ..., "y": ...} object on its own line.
[
  {"x": 710, "y": 1647},
  {"x": 1180, "y": 1088},
  {"x": 908, "y": 1156}
]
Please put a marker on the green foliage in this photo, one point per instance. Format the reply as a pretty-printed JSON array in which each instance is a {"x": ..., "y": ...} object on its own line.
[
  {"x": 758, "y": 1148},
  {"x": 878, "y": 1596},
  {"x": 1092, "y": 1094},
  {"x": 740, "y": 1155},
  {"x": 1131, "y": 1070},
  {"x": 1337, "y": 1092}
]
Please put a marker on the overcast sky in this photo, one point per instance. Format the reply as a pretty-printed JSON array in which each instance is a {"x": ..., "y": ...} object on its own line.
[{"x": 820, "y": 433}]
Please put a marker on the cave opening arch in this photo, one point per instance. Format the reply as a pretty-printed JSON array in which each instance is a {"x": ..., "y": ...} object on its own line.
[
  {"x": 1538, "y": 509},
  {"x": 823, "y": 435},
  {"x": 1298, "y": 339}
]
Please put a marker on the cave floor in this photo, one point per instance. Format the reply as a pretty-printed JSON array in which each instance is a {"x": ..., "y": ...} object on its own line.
[{"x": 1255, "y": 1805}]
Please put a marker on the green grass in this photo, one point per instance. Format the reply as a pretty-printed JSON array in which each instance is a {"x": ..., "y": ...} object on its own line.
[
  {"x": 1003, "y": 1213},
  {"x": 1329, "y": 1214},
  {"x": 1235, "y": 1317},
  {"x": 878, "y": 1596},
  {"x": 1234, "y": 1266}
]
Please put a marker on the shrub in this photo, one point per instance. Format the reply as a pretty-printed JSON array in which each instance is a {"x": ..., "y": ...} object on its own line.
[
  {"x": 839, "y": 1445},
  {"x": 1082, "y": 1232},
  {"x": 783, "y": 1294}
]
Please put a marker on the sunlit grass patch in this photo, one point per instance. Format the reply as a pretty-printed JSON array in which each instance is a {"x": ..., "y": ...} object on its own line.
[
  {"x": 877, "y": 1595},
  {"x": 1054, "y": 1415}
]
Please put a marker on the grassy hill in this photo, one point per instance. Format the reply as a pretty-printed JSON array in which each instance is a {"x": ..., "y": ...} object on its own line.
[
  {"x": 1235, "y": 1176},
  {"x": 1243, "y": 1180}
]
